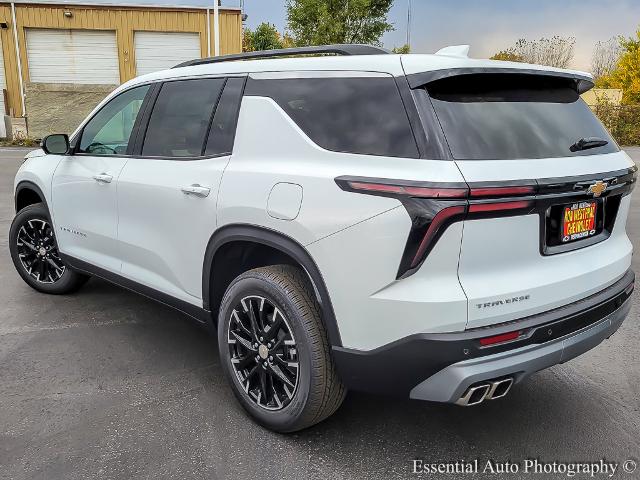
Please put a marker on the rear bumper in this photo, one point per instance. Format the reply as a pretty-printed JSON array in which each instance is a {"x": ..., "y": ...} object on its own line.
[
  {"x": 440, "y": 367},
  {"x": 449, "y": 384}
]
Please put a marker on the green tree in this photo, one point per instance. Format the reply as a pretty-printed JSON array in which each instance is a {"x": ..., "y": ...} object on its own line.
[
  {"x": 264, "y": 37},
  {"x": 321, "y": 22},
  {"x": 402, "y": 50},
  {"x": 288, "y": 41},
  {"x": 247, "y": 40},
  {"x": 626, "y": 74}
]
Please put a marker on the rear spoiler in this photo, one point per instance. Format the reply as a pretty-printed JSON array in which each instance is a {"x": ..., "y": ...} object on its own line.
[{"x": 583, "y": 83}]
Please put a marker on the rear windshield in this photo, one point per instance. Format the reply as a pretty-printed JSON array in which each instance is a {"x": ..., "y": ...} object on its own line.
[{"x": 510, "y": 116}]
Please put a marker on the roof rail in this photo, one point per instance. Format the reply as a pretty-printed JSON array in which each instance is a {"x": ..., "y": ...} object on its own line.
[{"x": 348, "y": 49}]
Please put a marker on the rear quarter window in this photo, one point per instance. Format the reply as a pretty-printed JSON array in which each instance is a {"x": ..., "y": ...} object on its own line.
[
  {"x": 513, "y": 116},
  {"x": 363, "y": 115}
]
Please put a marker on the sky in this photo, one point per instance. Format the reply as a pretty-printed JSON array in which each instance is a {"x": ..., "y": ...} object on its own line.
[
  {"x": 487, "y": 25},
  {"x": 490, "y": 25}
]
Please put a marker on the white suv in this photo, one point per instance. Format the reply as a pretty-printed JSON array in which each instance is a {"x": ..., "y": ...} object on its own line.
[{"x": 430, "y": 226}]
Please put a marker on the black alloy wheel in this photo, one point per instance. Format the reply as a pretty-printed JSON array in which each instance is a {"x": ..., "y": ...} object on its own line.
[
  {"x": 263, "y": 352},
  {"x": 275, "y": 351},
  {"x": 38, "y": 253},
  {"x": 34, "y": 251}
]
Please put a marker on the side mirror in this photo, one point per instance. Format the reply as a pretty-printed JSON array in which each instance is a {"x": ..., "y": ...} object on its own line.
[{"x": 56, "y": 144}]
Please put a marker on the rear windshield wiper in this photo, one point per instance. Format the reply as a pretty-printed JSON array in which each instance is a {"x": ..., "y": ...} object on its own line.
[{"x": 587, "y": 143}]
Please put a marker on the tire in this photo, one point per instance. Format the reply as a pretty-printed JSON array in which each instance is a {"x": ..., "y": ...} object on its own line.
[
  {"x": 33, "y": 223},
  {"x": 318, "y": 391}
]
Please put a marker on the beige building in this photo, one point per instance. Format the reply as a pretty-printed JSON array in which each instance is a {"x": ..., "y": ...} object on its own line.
[{"x": 60, "y": 58}]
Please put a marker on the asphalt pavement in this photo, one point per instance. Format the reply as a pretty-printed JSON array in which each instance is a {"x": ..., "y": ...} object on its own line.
[{"x": 108, "y": 384}]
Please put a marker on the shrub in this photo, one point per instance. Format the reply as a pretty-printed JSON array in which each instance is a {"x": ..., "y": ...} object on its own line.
[{"x": 623, "y": 121}]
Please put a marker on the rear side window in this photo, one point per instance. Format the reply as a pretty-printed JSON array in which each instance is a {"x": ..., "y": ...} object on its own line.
[
  {"x": 223, "y": 127},
  {"x": 181, "y": 117},
  {"x": 352, "y": 115},
  {"x": 511, "y": 116}
]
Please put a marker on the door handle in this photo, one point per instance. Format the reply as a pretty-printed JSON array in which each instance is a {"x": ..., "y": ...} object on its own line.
[
  {"x": 103, "y": 178},
  {"x": 196, "y": 190}
]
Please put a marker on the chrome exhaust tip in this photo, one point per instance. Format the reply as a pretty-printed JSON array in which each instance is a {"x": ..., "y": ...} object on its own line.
[
  {"x": 499, "y": 388},
  {"x": 474, "y": 395}
]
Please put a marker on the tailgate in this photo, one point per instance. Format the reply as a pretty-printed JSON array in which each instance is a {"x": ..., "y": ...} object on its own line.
[
  {"x": 514, "y": 266},
  {"x": 553, "y": 228}
]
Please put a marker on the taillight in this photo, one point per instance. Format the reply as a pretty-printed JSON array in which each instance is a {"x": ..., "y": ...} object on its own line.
[
  {"x": 489, "y": 192},
  {"x": 434, "y": 206},
  {"x": 499, "y": 206},
  {"x": 377, "y": 187},
  {"x": 436, "y": 223},
  {"x": 405, "y": 189}
]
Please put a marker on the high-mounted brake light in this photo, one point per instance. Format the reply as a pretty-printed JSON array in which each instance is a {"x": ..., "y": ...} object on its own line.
[{"x": 502, "y": 338}]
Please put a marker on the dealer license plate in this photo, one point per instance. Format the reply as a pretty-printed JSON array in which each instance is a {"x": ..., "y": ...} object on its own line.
[{"x": 578, "y": 221}]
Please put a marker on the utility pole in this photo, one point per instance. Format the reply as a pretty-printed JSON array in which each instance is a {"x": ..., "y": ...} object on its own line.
[
  {"x": 409, "y": 24},
  {"x": 216, "y": 27}
]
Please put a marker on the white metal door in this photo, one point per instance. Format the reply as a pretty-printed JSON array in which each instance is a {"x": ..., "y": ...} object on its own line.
[
  {"x": 162, "y": 230},
  {"x": 86, "y": 208},
  {"x": 167, "y": 200},
  {"x": 84, "y": 186},
  {"x": 161, "y": 50},
  {"x": 72, "y": 56}
]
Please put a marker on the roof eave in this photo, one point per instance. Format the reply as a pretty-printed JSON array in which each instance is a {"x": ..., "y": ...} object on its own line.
[{"x": 88, "y": 3}]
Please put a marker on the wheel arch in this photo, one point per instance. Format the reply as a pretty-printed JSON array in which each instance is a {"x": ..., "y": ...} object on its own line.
[
  {"x": 28, "y": 193},
  {"x": 270, "y": 247}
]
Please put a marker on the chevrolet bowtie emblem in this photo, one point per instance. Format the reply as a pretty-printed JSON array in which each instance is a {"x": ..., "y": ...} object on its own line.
[{"x": 598, "y": 188}]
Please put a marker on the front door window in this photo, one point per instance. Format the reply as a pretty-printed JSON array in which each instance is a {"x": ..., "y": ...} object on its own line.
[{"x": 109, "y": 131}]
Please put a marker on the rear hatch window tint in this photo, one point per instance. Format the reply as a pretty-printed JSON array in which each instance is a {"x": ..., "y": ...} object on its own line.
[{"x": 512, "y": 116}]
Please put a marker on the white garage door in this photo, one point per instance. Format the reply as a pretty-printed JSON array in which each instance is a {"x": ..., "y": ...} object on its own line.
[
  {"x": 72, "y": 56},
  {"x": 161, "y": 50}
]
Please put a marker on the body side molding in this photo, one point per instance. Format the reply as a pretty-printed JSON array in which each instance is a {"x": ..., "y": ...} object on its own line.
[{"x": 200, "y": 314}]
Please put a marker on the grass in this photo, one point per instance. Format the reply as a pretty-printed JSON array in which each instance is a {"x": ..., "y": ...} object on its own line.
[{"x": 20, "y": 142}]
